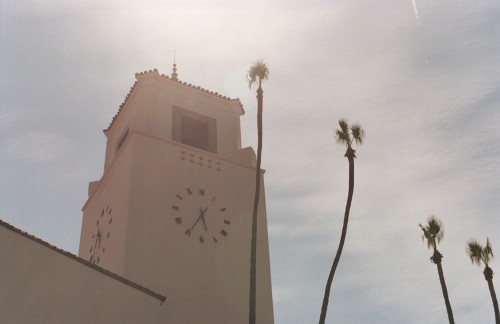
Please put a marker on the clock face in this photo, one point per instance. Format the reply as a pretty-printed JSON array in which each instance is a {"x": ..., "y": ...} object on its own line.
[
  {"x": 101, "y": 235},
  {"x": 200, "y": 215}
]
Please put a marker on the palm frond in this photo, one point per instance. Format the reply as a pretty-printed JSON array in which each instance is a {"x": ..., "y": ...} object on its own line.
[
  {"x": 344, "y": 125},
  {"x": 358, "y": 133},
  {"x": 252, "y": 77},
  {"x": 475, "y": 251},
  {"x": 436, "y": 227},
  {"x": 342, "y": 135},
  {"x": 257, "y": 73},
  {"x": 432, "y": 232},
  {"x": 426, "y": 237},
  {"x": 478, "y": 253},
  {"x": 488, "y": 252}
]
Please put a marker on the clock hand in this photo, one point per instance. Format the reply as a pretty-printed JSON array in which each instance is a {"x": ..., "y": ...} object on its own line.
[
  {"x": 96, "y": 239},
  {"x": 196, "y": 221},
  {"x": 202, "y": 213},
  {"x": 99, "y": 235},
  {"x": 203, "y": 217}
]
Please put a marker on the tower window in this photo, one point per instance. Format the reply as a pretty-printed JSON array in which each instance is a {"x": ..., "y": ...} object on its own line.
[
  {"x": 194, "y": 129},
  {"x": 194, "y": 132},
  {"x": 121, "y": 140}
]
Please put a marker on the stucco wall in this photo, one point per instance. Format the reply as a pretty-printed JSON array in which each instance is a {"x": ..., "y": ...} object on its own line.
[
  {"x": 111, "y": 194},
  {"x": 207, "y": 282},
  {"x": 41, "y": 285}
]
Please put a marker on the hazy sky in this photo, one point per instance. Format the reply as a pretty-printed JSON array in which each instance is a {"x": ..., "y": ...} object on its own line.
[{"x": 421, "y": 76}]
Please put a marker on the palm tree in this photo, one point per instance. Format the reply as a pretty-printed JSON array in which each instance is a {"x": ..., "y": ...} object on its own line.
[
  {"x": 433, "y": 233},
  {"x": 478, "y": 253},
  {"x": 257, "y": 73},
  {"x": 343, "y": 136}
]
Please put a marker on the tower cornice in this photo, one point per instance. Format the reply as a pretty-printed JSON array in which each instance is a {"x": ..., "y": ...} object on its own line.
[{"x": 153, "y": 74}]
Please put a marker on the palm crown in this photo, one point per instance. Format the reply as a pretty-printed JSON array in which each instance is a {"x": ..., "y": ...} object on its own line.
[
  {"x": 478, "y": 253},
  {"x": 343, "y": 136},
  {"x": 432, "y": 232},
  {"x": 257, "y": 73}
]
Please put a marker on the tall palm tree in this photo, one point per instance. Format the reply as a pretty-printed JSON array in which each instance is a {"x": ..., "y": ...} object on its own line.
[
  {"x": 477, "y": 254},
  {"x": 346, "y": 135},
  {"x": 256, "y": 75},
  {"x": 433, "y": 233}
]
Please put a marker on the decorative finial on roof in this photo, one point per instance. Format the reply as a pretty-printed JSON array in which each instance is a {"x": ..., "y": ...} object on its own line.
[{"x": 174, "y": 70}]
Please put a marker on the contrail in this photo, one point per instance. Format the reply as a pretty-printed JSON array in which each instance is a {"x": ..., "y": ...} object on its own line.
[{"x": 416, "y": 11}]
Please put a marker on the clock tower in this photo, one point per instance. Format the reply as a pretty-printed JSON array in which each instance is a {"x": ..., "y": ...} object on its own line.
[{"x": 173, "y": 208}]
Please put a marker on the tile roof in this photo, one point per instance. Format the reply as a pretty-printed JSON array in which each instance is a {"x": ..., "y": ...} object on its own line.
[
  {"x": 84, "y": 262},
  {"x": 155, "y": 72}
]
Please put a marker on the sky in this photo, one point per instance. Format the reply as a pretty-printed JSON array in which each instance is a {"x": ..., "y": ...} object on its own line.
[{"x": 421, "y": 76}]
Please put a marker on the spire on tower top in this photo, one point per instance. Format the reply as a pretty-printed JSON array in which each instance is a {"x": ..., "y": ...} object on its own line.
[{"x": 174, "y": 70}]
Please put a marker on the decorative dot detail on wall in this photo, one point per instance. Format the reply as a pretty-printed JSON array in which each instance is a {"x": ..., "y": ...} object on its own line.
[{"x": 201, "y": 161}]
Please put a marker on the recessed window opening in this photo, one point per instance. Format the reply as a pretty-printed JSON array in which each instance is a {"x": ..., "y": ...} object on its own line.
[
  {"x": 194, "y": 129},
  {"x": 194, "y": 132},
  {"x": 121, "y": 140}
]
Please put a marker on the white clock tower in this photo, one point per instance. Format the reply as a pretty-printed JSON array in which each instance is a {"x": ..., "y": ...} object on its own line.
[{"x": 172, "y": 210}]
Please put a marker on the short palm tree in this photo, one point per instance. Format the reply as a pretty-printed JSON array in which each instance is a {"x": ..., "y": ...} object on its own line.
[
  {"x": 256, "y": 75},
  {"x": 433, "y": 233},
  {"x": 477, "y": 254},
  {"x": 346, "y": 135}
]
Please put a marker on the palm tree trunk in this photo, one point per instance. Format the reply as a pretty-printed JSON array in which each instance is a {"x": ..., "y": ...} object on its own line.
[
  {"x": 445, "y": 292},
  {"x": 324, "y": 307},
  {"x": 488, "y": 274},
  {"x": 253, "y": 251}
]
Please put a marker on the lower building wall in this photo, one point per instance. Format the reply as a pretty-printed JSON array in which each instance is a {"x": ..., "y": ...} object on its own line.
[{"x": 41, "y": 285}]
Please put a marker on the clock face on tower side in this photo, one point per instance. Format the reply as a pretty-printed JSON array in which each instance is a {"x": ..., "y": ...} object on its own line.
[
  {"x": 200, "y": 215},
  {"x": 101, "y": 235}
]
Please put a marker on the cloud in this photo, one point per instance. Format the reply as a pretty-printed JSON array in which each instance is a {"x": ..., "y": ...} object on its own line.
[
  {"x": 8, "y": 118},
  {"x": 35, "y": 147}
]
